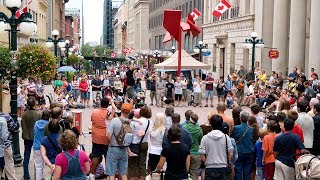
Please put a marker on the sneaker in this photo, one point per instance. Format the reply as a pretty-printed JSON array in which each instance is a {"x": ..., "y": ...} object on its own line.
[
  {"x": 206, "y": 105},
  {"x": 91, "y": 177}
]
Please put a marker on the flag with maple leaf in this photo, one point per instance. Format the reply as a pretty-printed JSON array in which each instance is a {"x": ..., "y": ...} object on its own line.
[{"x": 221, "y": 8}]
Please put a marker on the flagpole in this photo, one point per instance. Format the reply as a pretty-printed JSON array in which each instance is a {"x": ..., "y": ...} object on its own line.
[{"x": 179, "y": 51}]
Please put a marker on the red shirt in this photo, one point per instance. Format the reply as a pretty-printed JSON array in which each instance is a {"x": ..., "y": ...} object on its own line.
[
  {"x": 83, "y": 86},
  {"x": 297, "y": 130}
]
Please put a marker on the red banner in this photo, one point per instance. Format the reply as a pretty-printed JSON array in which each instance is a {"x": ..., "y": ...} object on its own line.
[{"x": 273, "y": 54}]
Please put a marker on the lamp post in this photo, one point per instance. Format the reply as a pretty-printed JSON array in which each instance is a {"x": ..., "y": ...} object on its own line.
[
  {"x": 173, "y": 49},
  {"x": 144, "y": 56},
  {"x": 26, "y": 27},
  {"x": 199, "y": 49},
  {"x": 69, "y": 49},
  {"x": 253, "y": 43},
  {"x": 157, "y": 55},
  {"x": 55, "y": 42},
  {"x": 137, "y": 59}
]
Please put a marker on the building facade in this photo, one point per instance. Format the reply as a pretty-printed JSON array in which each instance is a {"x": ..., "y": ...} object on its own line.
[
  {"x": 73, "y": 30},
  {"x": 38, "y": 9},
  {"x": 56, "y": 17},
  {"x": 294, "y": 35},
  {"x": 156, "y": 30},
  {"x": 120, "y": 28},
  {"x": 107, "y": 24}
]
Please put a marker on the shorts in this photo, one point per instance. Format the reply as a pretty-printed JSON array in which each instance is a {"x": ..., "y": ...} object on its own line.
[
  {"x": 117, "y": 159},
  {"x": 153, "y": 161},
  {"x": 185, "y": 94},
  {"x": 283, "y": 171},
  {"x": 85, "y": 95},
  {"x": 240, "y": 93},
  {"x": 137, "y": 164},
  {"x": 209, "y": 93},
  {"x": 99, "y": 150},
  {"x": 178, "y": 97}
]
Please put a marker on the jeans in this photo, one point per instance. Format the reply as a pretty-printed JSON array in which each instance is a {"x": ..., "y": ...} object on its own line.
[
  {"x": 260, "y": 175},
  {"x": 262, "y": 101},
  {"x": 243, "y": 166},
  {"x": 117, "y": 160},
  {"x": 75, "y": 94},
  {"x": 27, "y": 151}
]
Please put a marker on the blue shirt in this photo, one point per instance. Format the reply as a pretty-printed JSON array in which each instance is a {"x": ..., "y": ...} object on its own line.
[
  {"x": 286, "y": 145},
  {"x": 245, "y": 145},
  {"x": 228, "y": 85},
  {"x": 259, "y": 153},
  {"x": 185, "y": 138},
  {"x": 51, "y": 153}
]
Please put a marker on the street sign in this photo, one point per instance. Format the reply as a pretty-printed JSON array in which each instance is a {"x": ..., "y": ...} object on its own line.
[
  {"x": 208, "y": 53},
  {"x": 273, "y": 54}
]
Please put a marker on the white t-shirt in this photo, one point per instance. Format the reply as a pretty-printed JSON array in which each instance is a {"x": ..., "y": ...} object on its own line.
[
  {"x": 197, "y": 87},
  {"x": 177, "y": 88},
  {"x": 141, "y": 127},
  {"x": 306, "y": 123}
]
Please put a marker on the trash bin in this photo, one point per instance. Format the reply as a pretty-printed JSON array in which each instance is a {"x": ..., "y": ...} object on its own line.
[{"x": 77, "y": 120}]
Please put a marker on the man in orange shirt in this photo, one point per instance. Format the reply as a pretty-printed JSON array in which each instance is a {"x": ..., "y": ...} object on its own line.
[
  {"x": 99, "y": 134},
  {"x": 221, "y": 108},
  {"x": 268, "y": 158}
]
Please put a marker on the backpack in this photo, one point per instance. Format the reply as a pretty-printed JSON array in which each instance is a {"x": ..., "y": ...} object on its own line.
[{"x": 125, "y": 136}]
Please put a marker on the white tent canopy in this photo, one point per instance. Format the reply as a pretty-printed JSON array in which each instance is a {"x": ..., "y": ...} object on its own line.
[{"x": 187, "y": 62}]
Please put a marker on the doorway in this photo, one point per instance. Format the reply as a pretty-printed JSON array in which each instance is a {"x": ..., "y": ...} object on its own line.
[{"x": 222, "y": 61}]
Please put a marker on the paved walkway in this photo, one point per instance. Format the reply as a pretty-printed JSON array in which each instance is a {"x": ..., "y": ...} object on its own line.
[{"x": 86, "y": 122}]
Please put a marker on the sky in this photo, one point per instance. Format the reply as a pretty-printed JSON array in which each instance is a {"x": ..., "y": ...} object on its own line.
[{"x": 93, "y": 18}]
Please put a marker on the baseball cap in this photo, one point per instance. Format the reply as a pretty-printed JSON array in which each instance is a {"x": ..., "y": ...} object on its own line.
[{"x": 126, "y": 108}]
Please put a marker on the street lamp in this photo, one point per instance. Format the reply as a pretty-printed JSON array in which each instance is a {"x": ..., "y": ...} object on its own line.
[
  {"x": 55, "y": 42},
  {"x": 173, "y": 49},
  {"x": 157, "y": 55},
  {"x": 199, "y": 49},
  {"x": 68, "y": 49},
  {"x": 27, "y": 27},
  {"x": 253, "y": 43}
]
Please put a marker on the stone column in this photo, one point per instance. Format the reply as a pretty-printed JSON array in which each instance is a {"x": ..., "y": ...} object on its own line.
[
  {"x": 280, "y": 34},
  {"x": 297, "y": 40},
  {"x": 314, "y": 52}
]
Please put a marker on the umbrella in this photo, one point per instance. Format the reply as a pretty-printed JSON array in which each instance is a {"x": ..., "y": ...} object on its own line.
[{"x": 66, "y": 69}]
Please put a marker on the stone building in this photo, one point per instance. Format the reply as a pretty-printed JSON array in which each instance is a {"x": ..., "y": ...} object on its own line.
[
  {"x": 56, "y": 17},
  {"x": 290, "y": 26},
  {"x": 73, "y": 31},
  {"x": 120, "y": 28}
]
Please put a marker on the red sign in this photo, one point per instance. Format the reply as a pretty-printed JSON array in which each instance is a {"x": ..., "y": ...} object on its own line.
[{"x": 273, "y": 54}]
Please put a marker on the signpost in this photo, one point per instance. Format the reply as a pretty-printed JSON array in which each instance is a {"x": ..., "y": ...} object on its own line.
[{"x": 274, "y": 54}]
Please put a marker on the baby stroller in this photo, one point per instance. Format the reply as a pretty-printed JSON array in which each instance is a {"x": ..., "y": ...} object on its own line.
[{"x": 307, "y": 167}]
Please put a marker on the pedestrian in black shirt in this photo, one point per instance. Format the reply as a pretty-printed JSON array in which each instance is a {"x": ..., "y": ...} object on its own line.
[
  {"x": 96, "y": 87},
  {"x": 130, "y": 83}
]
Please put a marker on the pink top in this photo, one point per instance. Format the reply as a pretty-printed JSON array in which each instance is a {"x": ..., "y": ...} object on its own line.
[{"x": 62, "y": 160}]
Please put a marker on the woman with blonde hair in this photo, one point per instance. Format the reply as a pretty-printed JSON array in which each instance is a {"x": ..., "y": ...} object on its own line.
[
  {"x": 155, "y": 139},
  {"x": 71, "y": 163}
]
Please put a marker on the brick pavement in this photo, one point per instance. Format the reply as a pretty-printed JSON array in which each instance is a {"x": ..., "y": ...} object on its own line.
[{"x": 86, "y": 122}]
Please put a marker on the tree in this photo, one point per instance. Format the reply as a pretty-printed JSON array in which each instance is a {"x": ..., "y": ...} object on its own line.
[
  {"x": 38, "y": 61},
  {"x": 72, "y": 60},
  {"x": 5, "y": 62},
  {"x": 87, "y": 50}
]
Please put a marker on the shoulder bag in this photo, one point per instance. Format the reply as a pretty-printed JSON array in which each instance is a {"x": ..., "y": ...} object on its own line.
[
  {"x": 243, "y": 135},
  {"x": 56, "y": 149},
  {"x": 135, "y": 148},
  {"x": 229, "y": 168}
]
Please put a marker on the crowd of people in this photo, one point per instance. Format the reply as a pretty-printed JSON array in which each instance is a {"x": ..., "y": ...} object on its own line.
[{"x": 132, "y": 141}]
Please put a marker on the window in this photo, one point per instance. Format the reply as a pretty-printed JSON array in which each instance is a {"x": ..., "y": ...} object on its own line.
[{"x": 187, "y": 10}]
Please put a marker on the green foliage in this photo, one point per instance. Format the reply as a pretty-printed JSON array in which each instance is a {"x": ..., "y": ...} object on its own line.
[
  {"x": 153, "y": 61},
  {"x": 88, "y": 51},
  {"x": 72, "y": 60},
  {"x": 141, "y": 62},
  {"x": 71, "y": 75},
  {"x": 5, "y": 61},
  {"x": 38, "y": 61},
  {"x": 86, "y": 66}
]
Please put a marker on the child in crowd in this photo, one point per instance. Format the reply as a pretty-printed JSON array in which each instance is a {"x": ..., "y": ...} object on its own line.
[
  {"x": 229, "y": 100},
  {"x": 97, "y": 101},
  {"x": 259, "y": 154},
  {"x": 268, "y": 157},
  {"x": 21, "y": 101},
  {"x": 99, "y": 174}
]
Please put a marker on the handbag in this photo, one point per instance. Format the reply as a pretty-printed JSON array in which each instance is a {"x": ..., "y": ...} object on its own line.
[
  {"x": 229, "y": 169},
  {"x": 135, "y": 148}
]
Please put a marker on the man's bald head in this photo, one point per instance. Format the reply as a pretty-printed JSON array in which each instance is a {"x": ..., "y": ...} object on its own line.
[
  {"x": 221, "y": 107},
  {"x": 56, "y": 112}
]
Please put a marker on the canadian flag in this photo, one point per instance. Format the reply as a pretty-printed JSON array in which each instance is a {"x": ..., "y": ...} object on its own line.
[
  {"x": 131, "y": 50},
  {"x": 221, "y": 8},
  {"x": 195, "y": 14},
  {"x": 113, "y": 55},
  {"x": 126, "y": 50},
  {"x": 22, "y": 10}
]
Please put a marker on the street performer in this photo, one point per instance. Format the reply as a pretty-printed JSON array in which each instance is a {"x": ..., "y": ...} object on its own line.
[{"x": 130, "y": 82}]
